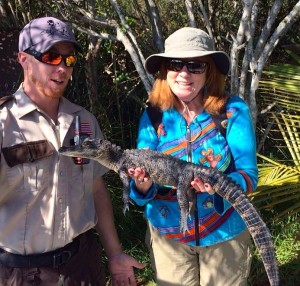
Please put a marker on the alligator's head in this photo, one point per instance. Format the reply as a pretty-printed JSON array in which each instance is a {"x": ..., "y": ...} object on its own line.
[{"x": 94, "y": 149}]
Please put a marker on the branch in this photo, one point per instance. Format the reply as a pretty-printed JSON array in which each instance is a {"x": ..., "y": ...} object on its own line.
[
  {"x": 250, "y": 46},
  {"x": 90, "y": 32},
  {"x": 237, "y": 42},
  {"x": 189, "y": 9},
  {"x": 128, "y": 30},
  {"x": 121, "y": 16},
  {"x": 249, "y": 34},
  {"x": 156, "y": 26},
  {"x": 268, "y": 108},
  {"x": 147, "y": 79},
  {"x": 280, "y": 31},
  {"x": 206, "y": 21},
  {"x": 265, "y": 135},
  {"x": 265, "y": 33}
]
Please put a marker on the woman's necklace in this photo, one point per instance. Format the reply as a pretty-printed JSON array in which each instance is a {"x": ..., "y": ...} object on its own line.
[
  {"x": 186, "y": 113},
  {"x": 189, "y": 117}
]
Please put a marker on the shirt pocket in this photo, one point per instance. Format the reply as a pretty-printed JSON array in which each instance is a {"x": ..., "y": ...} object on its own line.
[
  {"x": 29, "y": 165},
  {"x": 30, "y": 177}
]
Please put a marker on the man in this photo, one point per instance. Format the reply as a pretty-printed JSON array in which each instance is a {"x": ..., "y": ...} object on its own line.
[{"x": 49, "y": 204}]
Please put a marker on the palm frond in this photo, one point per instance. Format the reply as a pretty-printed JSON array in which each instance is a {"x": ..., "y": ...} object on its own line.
[
  {"x": 280, "y": 83},
  {"x": 279, "y": 161},
  {"x": 278, "y": 188}
]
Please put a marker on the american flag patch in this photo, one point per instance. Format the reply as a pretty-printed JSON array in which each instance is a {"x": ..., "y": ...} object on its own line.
[{"x": 84, "y": 128}]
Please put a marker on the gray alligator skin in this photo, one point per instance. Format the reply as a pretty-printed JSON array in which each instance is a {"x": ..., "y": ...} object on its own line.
[{"x": 167, "y": 170}]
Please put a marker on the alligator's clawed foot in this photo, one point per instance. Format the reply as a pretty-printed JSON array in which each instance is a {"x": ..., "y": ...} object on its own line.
[{"x": 184, "y": 222}]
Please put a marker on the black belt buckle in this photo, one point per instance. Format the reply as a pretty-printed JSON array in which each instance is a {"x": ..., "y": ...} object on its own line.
[{"x": 61, "y": 258}]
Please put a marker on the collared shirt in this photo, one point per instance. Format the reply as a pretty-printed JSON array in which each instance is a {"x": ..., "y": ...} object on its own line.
[
  {"x": 44, "y": 203},
  {"x": 202, "y": 142}
]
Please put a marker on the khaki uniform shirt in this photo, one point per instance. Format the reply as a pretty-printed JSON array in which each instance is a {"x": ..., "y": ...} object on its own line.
[{"x": 47, "y": 201}]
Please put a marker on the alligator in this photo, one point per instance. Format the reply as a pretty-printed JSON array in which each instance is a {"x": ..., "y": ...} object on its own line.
[{"x": 156, "y": 165}]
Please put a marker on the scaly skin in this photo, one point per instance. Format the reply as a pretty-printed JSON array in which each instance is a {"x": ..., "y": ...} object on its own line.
[{"x": 157, "y": 165}]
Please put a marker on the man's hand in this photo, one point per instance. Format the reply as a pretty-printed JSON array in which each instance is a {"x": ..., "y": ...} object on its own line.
[{"x": 121, "y": 269}]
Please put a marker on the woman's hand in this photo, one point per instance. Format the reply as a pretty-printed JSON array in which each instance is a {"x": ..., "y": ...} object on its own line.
[
  {"x": 143, "y": 182},
  {"x": 141, "y": 179},
  {"x": 199, "y": 186}
]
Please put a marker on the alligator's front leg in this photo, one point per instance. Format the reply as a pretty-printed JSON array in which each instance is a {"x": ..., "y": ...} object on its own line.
[
  {"x": 126, "y": 181},
  {"x": 182, "y": 197},
  {"x": 191, "y": 196}
]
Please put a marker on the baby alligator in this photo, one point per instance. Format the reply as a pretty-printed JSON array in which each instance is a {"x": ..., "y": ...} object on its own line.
[{"x": 167, "y": 170}]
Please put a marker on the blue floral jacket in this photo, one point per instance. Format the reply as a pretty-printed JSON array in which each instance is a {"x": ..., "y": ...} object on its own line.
[{"x": 202, "y": 141}]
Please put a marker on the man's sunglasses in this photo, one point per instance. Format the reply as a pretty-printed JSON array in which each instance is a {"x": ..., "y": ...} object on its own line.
[
  {"x": 52, "y": 58},
  {"x": 196, "y": 67}
]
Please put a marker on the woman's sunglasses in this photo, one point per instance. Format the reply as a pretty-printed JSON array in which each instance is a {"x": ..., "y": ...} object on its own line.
[
  {"x": 196, "y": 67},
  {"x": 52, "y": 58}
]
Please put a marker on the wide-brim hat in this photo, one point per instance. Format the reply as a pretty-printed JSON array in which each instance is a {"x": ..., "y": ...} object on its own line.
[
  {"x": 42, "y": 33},
  {"x": 188, "y": 42}
]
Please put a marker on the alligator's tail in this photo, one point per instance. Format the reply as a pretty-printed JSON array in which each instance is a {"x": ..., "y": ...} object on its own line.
[{"x": 257, "y": 228}]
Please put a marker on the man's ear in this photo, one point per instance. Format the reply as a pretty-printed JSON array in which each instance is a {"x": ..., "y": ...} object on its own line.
[{"x": 23, "y": 59}]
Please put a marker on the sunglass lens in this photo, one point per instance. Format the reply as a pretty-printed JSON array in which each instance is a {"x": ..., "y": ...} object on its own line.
[
  {"x": 70, "y": 61},
  {"x": 196, "y": 67},
  {"x": 192, "y": 66},
  {"x": 51, "y": 58},
  {"x": 175, "y": 65}
]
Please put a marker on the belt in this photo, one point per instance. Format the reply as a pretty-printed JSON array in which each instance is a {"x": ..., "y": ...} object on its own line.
[{"x": 53, "y": 259}]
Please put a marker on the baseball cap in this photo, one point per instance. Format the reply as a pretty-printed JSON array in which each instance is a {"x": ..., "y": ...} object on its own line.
[
  {"x": 42, "y": 33},
  {"x": 188, "y": 42}
]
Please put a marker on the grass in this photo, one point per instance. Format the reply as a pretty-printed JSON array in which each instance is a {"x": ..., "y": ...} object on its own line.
[
  {"x": 132, "y": 227},
  {"x": 286, "y": 238}
]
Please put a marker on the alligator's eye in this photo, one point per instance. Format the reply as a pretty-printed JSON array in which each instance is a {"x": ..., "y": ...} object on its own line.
[{"x": 86, "y": 142}]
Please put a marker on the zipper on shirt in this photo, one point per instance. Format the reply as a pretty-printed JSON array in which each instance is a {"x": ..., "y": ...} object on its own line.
[{"x": 189, "y": 159}]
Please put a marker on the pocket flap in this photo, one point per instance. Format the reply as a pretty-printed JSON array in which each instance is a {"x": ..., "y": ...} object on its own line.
[{"x": 26, "y": 152}]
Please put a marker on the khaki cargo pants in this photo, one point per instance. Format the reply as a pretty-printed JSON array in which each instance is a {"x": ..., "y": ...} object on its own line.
[{"x": 223, "y": 264}]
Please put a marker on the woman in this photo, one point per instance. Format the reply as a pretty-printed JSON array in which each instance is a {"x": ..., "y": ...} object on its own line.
[{"x": 189, "y": 91}]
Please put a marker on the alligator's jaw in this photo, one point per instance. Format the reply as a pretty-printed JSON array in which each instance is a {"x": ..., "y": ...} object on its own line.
[{"x": 78, "y": 151}]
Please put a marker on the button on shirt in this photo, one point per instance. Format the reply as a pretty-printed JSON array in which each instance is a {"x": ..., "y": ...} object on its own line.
[{"x": 46, "y": 203}]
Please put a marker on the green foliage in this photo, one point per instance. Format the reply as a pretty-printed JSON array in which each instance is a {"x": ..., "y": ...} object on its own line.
[
  {"x": 123, "y": 77},
  {"x": 287, "y": 245},
  {"x": 279, "y": 146},
  {"x": 279, "y": 189},
  {"x": 280, "y": 85}
]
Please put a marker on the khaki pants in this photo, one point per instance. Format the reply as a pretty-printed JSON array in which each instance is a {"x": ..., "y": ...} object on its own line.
[
  {"x": 83, "y": 269},
  {"x": 177, "y": 264}
]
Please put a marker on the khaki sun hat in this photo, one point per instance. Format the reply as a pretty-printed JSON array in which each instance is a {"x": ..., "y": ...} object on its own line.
[
  {"x": 42, "y": 33},
  {"x": 188, "y": 42}
]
